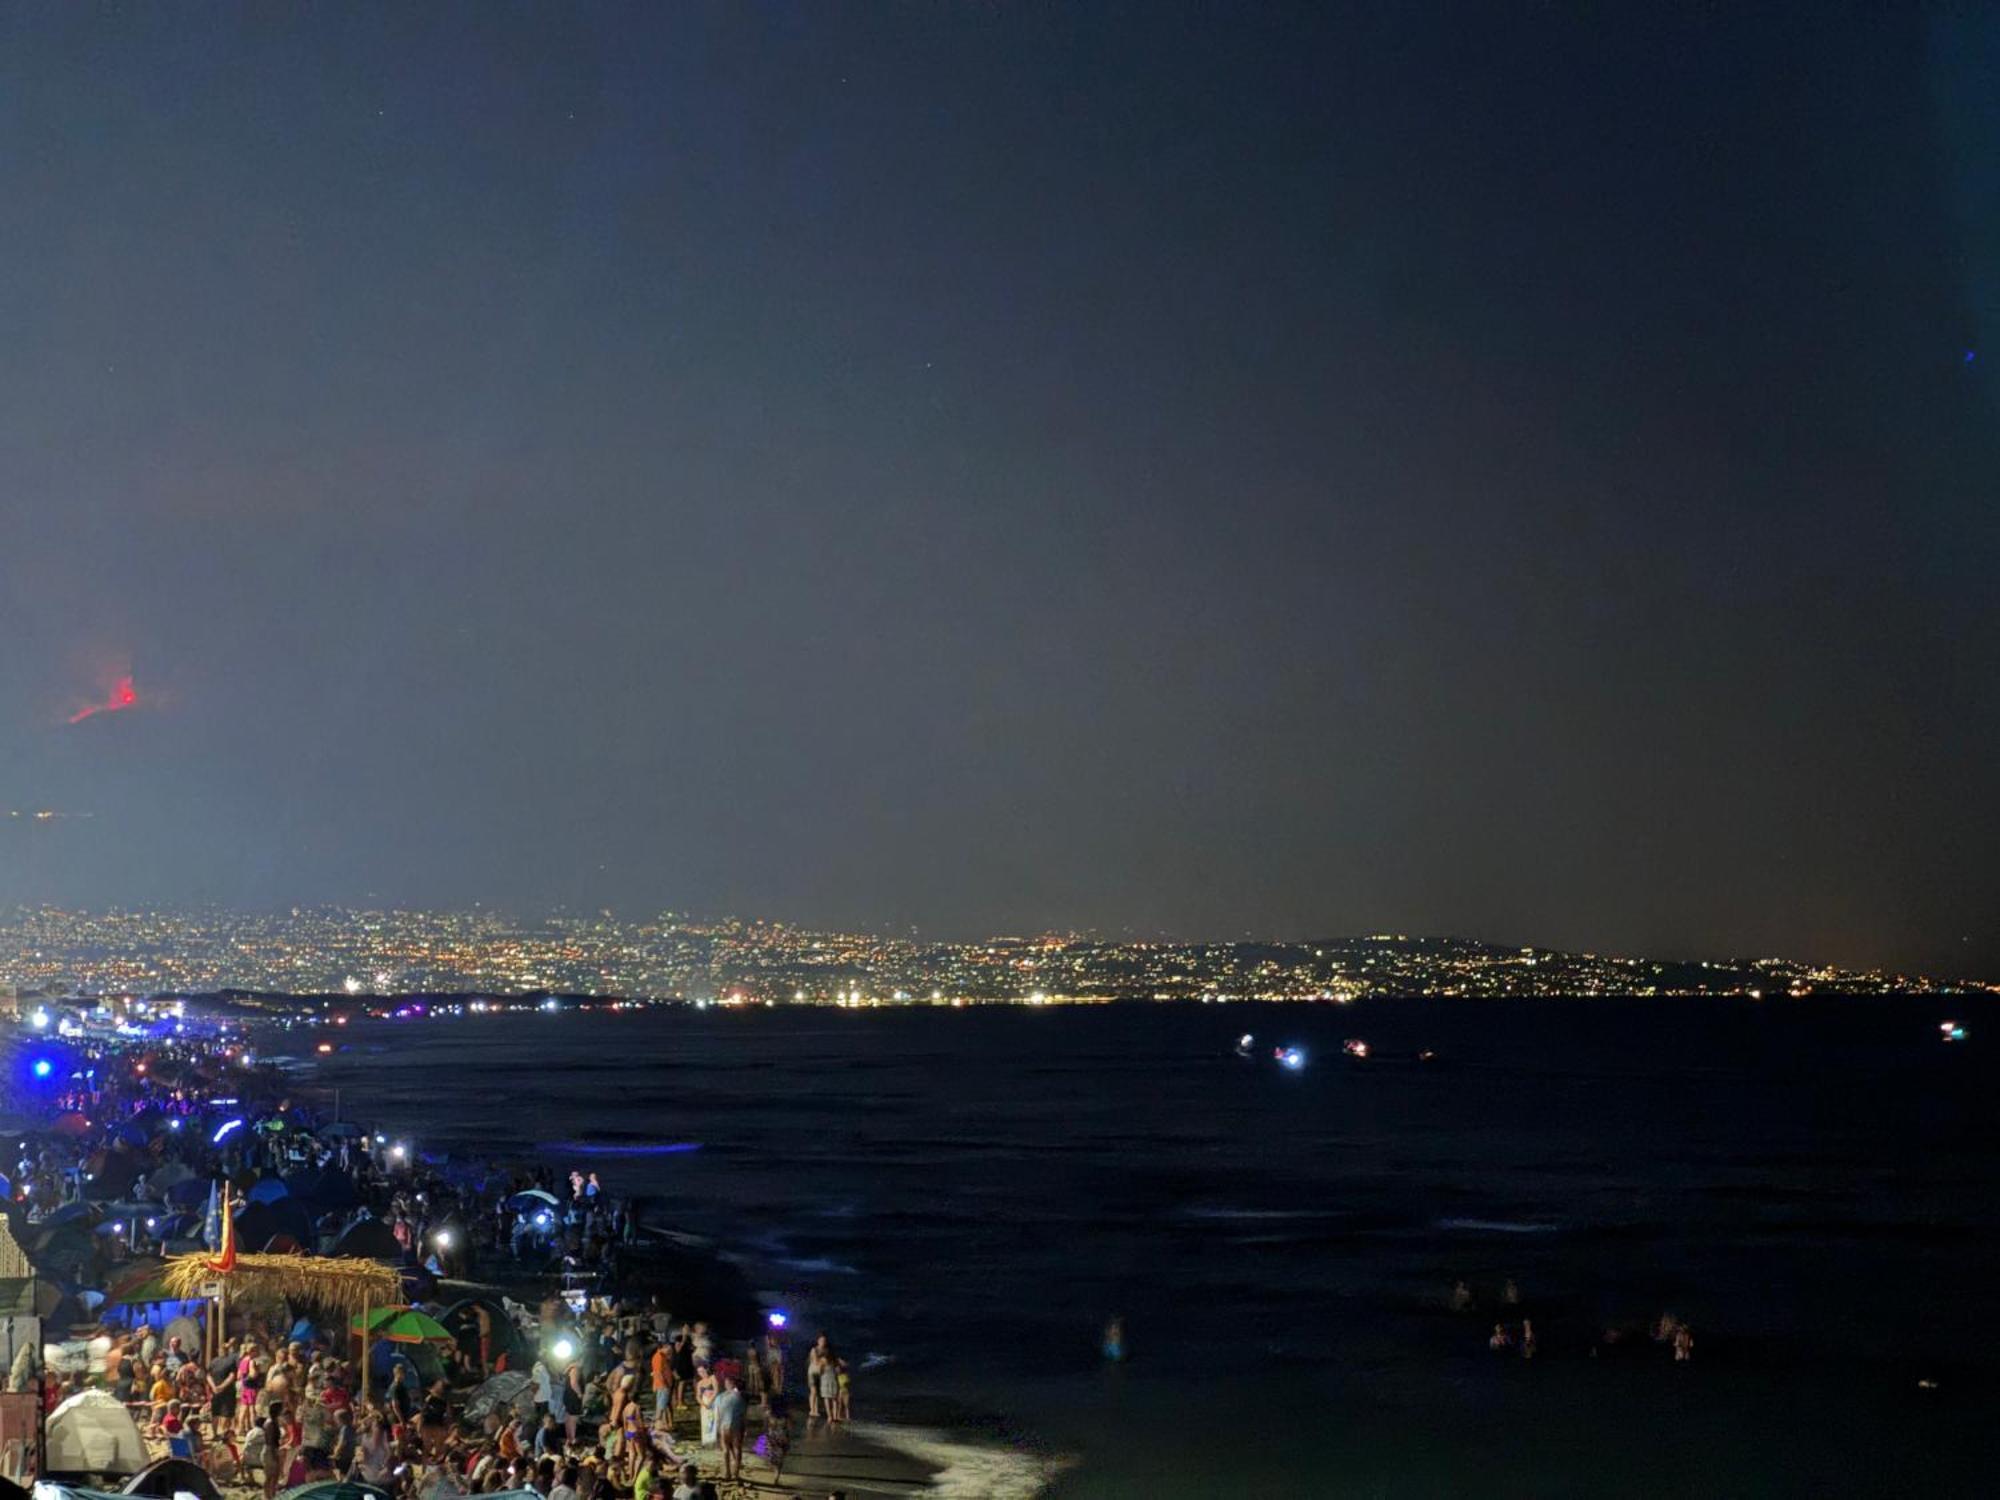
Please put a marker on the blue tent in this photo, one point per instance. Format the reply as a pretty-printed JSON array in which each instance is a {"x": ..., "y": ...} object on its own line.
[{"x": 268, "y": 1190}]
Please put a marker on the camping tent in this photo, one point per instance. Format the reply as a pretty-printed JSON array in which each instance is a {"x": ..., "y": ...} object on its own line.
[
  {"x": 369, "y": 1239},
  {"x": 168, "y": 1478},
  {"x": 91, "y": 1433}
]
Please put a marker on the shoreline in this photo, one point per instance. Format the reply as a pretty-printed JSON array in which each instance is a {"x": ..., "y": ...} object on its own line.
[{"x": 871, "y": 1460}]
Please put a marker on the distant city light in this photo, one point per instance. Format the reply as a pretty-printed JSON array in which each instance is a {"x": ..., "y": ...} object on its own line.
[{"x": 1293, "y": 1058}]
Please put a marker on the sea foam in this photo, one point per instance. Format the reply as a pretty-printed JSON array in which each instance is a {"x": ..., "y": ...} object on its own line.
[{"x": 969, "y": 1470}]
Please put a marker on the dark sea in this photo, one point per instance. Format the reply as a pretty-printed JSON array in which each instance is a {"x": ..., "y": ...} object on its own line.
[{"x": 963, "y": 1198}]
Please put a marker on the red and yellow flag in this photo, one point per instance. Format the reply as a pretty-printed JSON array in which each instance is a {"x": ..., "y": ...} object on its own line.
[{"x": 225, "y": 1250}]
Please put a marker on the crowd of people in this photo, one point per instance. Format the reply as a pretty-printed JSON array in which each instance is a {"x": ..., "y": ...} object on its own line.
[{"x": 611, "y": 1395}]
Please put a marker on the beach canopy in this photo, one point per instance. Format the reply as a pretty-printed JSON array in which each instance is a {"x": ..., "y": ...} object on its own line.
[
  {"x": 92, "y": 1433},
  {"x": 345, "y": 1287},
  {"x": 404, "y": 1325}
]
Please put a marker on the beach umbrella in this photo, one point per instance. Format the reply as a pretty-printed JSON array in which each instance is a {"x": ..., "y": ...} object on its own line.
[
  {"x": 404, "y": 1325},
  {"x": 510, "y": 1390},
  {"x": 529, "y": 1198},
  {"x": 172, "y": 1174},
  {"x": 188, "y": 1192},
  {"x": 268, "y": 1190},
  {"x": 71, "y": 1213}
]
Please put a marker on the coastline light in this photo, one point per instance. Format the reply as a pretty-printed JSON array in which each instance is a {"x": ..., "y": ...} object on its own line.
[{"x": 1293, "y": 1058}]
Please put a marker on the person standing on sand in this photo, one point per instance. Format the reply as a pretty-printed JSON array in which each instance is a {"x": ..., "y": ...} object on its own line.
[
  {"x": 661, "y": 1368},
  {"x": 816, "y": 1359},
  {"x": 706, "y": 1388},
  {"x": 731, "y": 1413},
  {"x": 683, "y": 1368},
  {"x": 829, "y": 1385}
]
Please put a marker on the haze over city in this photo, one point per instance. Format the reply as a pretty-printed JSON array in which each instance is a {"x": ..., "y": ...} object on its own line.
[{"x": 1152, "y": 469}]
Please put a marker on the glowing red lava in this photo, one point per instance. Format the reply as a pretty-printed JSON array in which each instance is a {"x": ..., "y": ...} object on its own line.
[{"x": 124, "y": 695}]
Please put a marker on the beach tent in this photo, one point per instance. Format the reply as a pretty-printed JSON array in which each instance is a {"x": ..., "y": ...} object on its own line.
[
  {"x": 260, "y": 1223},
  {"x": 268, "y": 1190},
  {"x": 331, "y": 1188},
  {"x": 368, "y": 1239},
  {"x": 510, "y": 1393},
  {"x": 172, "y": 1173},
  {"x": 338, "y": 1489},
  {"x": 502, "y": 1337},
  {"x": 167, "y": 1478},
  {"x": 92, "y": 1433}
]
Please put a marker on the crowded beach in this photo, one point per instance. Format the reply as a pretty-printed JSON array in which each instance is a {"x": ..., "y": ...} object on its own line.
[{"x": 242, "y": 1294}]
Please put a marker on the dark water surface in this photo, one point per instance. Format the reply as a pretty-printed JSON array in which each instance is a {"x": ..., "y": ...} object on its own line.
[{"x": 971, "y": 1194}]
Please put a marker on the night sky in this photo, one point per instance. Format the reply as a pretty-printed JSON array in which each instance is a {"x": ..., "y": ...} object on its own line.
[{"x": 989, "y": 467}]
